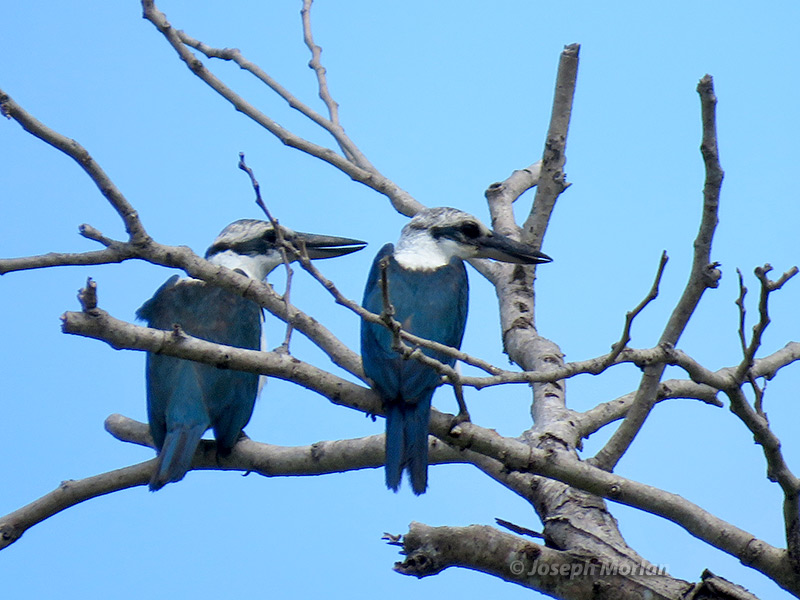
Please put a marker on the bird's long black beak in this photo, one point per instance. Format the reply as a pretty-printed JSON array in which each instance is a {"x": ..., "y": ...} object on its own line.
[
  {"x": 499, "y": 247},
  {"x": 326, "y": 246}
]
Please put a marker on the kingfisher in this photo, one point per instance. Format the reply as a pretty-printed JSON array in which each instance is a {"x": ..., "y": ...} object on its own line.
[
  {"x": 186, "y": 398},
  {"x": 428, "y": 288}
]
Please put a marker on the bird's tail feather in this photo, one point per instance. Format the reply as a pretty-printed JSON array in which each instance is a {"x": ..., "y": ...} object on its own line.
[
  {"x": 407, "y": 444},
  {"x": 395, "y": 435},
  {"x": 416, "y": 445},
  {"x": 187, "y": 420},
  {"x": 176, "y": 455}
]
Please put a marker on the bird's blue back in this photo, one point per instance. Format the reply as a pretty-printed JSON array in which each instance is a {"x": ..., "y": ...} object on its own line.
[{"x": 186, "y": 393}]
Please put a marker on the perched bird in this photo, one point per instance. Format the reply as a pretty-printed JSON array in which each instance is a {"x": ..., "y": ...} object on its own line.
[
  {"x": 428, "y": 288},
  {"x": 185, "y": 398}
]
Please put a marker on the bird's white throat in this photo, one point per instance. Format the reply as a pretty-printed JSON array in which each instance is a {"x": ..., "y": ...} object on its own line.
[
  {"x": 418, "y": 250},
  {"x": 255, "y": 266}
]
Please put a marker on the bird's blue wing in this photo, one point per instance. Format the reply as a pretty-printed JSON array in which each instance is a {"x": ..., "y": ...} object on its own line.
[
  {"x": 185, "y": 397},
  {"x": 381, "y": 364}
]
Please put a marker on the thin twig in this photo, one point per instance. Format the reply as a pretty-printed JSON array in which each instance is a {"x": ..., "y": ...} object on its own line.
[
  {"x": 742, "y": 311},
  {"x": 316, "y": 64},
  {"x": 767, "y": 287},
  {"x": 743, "y": 372},
  {"x": 758, "y": 391},
  {"x": 617, "y": 348},
  {"x": 387, "y": 320},
  {"x": 280, "y": 240},
  {"x": 379, "y": 319},
  {"x": 518, "y": 528}
]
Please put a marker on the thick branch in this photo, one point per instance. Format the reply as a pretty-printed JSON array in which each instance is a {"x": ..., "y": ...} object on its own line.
[
  {"x": 515, "y": 455},
  {"x": 68, "y": 494},
  {"x": 118, "y": 334},
  {"x": 501, "y": 196},
  {"x": 430, "y": 550},
  {"x": 566, "y": 468},
  {"x": 247, "y": 456},
  {"x": 552, "y": 180},
  {"x": 514, "y": 283}
]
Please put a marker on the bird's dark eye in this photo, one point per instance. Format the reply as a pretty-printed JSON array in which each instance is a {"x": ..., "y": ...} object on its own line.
[{"x": 470, "y": 229}]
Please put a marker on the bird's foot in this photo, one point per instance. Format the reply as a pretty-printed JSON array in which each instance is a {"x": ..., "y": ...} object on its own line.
[{"x": 461, "y": 417}]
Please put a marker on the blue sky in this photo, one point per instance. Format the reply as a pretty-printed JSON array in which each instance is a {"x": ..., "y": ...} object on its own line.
[{"x": 445, "y": 98}]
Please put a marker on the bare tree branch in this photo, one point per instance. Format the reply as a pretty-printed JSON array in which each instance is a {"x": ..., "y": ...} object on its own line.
[
  {"x": 749, "y": 350},
  {"x": 263, "y": 294},
  {"x": 515, "y": 455},
  {"x": 601, "y": 415},
  {"x": 502, "y": 195},
  {"x": 566, "y": 575},
  {"x": 280, "y": 239},
  {"x": 57, "y": 259},
  {"x": 119, "y": 334},
  {"x": 369, "y": 176},
  {"x": 183, "y": 258},
  {"x": 143, "y": 247},
  {"x": 566, "y": 468},
  {"x": 98, "y": 324},
  {"x": 349, "y": 149},
  {"x": 756, "y": 419},
  {"x": 78, "y": 153},
  {"x": 540, "y": 466},
  {"x": 704, "y": 275},
  {"x": 777, "y": 469},
  {"x": 68, "y": 494},
  {"x": 617, "y": 348},
  {"x": 247, "y": 456},
  {"x": 552, "y": 181}
]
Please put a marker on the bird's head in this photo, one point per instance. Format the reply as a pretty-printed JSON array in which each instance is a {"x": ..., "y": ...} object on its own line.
[
  {"x": 251, "y": 246},
  {"x": 436, "y": 235}
]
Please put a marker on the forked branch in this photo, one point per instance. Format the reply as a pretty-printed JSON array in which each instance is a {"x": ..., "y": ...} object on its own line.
[
  {"x": 704, "y": 275},
  {"x": 360, "y": 171}
]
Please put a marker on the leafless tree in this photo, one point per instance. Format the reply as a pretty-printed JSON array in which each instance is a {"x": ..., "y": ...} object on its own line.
[{"x": 583, "y": 554}]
